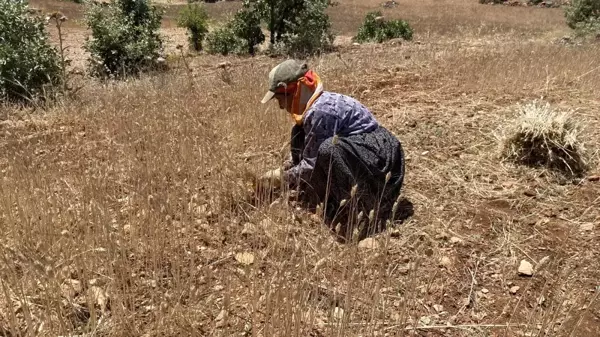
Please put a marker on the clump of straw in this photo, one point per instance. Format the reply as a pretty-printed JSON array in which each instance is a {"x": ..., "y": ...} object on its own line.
[{"x": 544, "y": 137}]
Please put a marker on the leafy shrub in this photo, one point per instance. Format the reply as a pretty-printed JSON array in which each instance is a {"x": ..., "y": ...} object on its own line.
[
  {"x": 194, "y": 18},
  {"x": 590, "y": 27},
  {"x": 224, "y": 41},
  {"x": 297, "y": 26},
  {"x": 28, "y": 63},
  {"x": 125, "y": 39},
  {"x": 584, "y": 16},
  {"x": 375, "y": 28},
  {"x": 544, "y": 137},
  {"x": 582, "y": 12},
  {"x": 246, "y": 25},
  {"x": 312, "y": 32}
]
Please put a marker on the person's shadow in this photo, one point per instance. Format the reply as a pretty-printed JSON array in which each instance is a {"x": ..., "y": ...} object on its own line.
[
  {"x": 348, "y": 222},
  {"x": 367, "y": 228}
]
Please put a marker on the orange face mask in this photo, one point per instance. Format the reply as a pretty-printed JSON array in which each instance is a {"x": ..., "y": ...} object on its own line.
[{"x": 307, "y": 90}]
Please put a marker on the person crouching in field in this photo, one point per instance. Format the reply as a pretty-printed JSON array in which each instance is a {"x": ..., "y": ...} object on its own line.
[{"x": 341, "y": 157}]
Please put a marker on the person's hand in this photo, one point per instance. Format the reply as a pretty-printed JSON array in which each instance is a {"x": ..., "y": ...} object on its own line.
[
  {"x": 269, "y": 183},
  {"x": 288, "y": 164},
  {"x": 272, "y": 178}
]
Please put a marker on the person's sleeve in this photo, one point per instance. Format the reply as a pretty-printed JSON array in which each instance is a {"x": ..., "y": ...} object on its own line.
[{"x": 320, "y": 127}]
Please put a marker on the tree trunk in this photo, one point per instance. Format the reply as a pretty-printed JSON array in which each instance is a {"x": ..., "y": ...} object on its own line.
[{"x": 272, "y": 23}]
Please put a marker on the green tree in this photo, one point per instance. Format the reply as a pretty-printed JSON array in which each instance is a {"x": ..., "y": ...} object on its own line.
[
  {"x": 295, "y": 20},
  {"x": 246, "y": 25},
  {"x": 125, "y": 38},
  {"x": 194, "y": 18},
  {"x": 582, "y": 12},
  {"x": 29, "y": 65},
  {"x": 311, "y": 33},
  {"x": 224, "y": 41},
  {"x": 375, "y": 28}
]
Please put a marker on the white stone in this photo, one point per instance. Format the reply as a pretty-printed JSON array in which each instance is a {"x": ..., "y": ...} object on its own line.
[
  {"x": 368, "y": 243},
  {"x": 525, "y": 268}
]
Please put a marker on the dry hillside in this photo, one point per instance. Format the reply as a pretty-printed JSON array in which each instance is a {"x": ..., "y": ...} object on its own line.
[{"x": 127, "y": 210}]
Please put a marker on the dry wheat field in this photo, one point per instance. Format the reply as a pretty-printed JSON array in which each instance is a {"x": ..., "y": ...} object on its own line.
[{"x": 126, "y": 210}]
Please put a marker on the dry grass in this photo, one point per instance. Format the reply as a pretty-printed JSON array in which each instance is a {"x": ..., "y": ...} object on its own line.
[
  {"x": 544, "y": 137},
  {"x": 440, "y": 18},
  {"x": 126, "y": 212}
]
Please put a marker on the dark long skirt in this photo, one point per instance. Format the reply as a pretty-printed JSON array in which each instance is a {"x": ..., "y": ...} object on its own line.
[{"x": 362, "y": 161}]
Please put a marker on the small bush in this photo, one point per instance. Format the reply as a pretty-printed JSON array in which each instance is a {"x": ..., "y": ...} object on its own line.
[
  {"x": 125, "y": 39},
  {"x": 582, "y": 12},
  {"x": 29, "y": 65},
  {"x": 295, "y": 26},
  {"x": 246, "y": 26},
  {"x": 224, "y": 41},
  {"x": 194, "y": 18},
  {"x": 312, "y": 33},
  {"x": 544, "y": 137},
  {"x": 375, "y": 28}
]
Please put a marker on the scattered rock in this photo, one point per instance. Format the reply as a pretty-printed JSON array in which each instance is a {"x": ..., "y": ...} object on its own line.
[
  {"x": 586, "y": 227},
  {"x": 224, "y": 65},
  {"x": 525, "y": 268},
  {"x": 529, "y": 193},
  {"x": 594, "y": 178},
  {"x": 368, "y": 243},
  {"x": 249, "y": 229},
  {"x": 455, "y": 240},
  {"x": 445, "y": 262},
  {"x": 338, "y": 313},
  {"x": 221, "y": 318},
  {"x": 390, "y": 4},
  {"x": 438, "y": 308},
  {"x": 127, "y": 229},
  {"x": 425, "y": 320},
  {"x": 485, "y": 290},
  {"x": 245, "y": 258},
  {"x": 395, "y": 233},
  {"x": 566, "y": 40},
  {"x": 513, "y": 290},
  {"x": 397, "y": 41},
  {"x": 218, "y": 287},
  {"x": 442, "y": 236}
]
